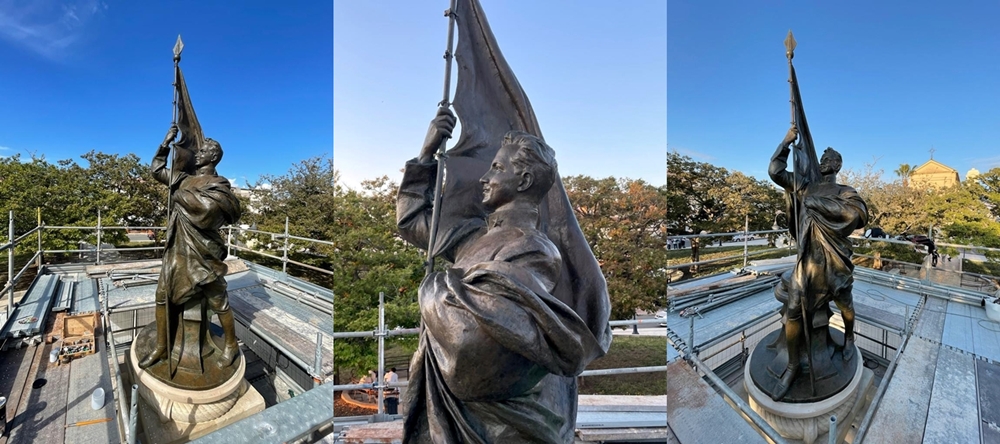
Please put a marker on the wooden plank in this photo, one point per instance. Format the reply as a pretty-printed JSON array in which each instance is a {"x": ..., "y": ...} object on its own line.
[
  {"x": 14, "y": 371},
  {"x": 87, "y": 374},
  {"x": 299, "y": 337},
  {"x": 902, "y": 412},
  {"x": 950, "y": 417},
  {"x": 42, "y": 414},
  {"x": 932, "y": 317},
  {"x": 697, "y": 414}
]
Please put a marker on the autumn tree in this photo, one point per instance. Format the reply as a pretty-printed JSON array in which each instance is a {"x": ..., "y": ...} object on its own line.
[
  {"x": 692, "y": 206},
  {"x": 747, "y": 201},
  {"x": 624, "y": 221}
]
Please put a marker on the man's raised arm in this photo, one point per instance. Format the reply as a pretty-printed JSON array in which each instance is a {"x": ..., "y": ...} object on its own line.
[
  {"x": 414, "y": 203},
  {"x": 159, "y": 163},
  {"x": 779, "y": 161}
]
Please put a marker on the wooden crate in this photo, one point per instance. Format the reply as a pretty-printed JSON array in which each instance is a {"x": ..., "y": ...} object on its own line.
[
  {"x": 76, "y": 346},
  {"x": 78, "y": 336},
  {"x": 82, "y": 324}
]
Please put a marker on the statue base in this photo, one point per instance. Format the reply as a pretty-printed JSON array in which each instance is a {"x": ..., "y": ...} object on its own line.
[
  {"x": 173, "y": 415},
  {"x": 806, "y": 421},
  {"x": 197, "y": 347}
]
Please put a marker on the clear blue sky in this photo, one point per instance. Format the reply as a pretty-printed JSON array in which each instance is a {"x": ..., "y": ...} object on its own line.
[
  {"x": 879, "y": 80},
  {"x": 595, "y": 73},
  {"x": 81, "y": 75}
]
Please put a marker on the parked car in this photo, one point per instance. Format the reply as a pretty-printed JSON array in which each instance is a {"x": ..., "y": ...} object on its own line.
[{"x": 661, "y": 316}]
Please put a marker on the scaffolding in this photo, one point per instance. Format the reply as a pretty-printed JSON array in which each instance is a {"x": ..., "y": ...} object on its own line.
[{"x": 307, "y": 376}]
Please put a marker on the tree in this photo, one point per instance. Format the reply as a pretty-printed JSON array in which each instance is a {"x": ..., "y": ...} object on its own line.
[
  {"x": 370, "y": 258},
  {"x": 691, "y": 204},
  {"x": 624, "y": 221},
  {"x": 904, "y": 172},
  {"x": 964, "y": 216},
  {"x": 67, "y": 194},
  {"x": 304, "y": 195},
  {"x": 746, "y": 199},
  {"x": 892, "y": 206}
]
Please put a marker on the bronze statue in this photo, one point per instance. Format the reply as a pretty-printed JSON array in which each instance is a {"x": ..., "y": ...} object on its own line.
[
  {"x": 183, "y": 352},
  {"x": 822, "y": 215},
  {"x": 493, "y": 327},
  {"x": 827, "y": 213},
  {"x": 522, "y": 308}
]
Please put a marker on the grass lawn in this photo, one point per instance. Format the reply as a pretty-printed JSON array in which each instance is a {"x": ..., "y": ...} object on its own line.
[
  {"x": 629, "y": 351},
  {"x": 987, "y": 268}
]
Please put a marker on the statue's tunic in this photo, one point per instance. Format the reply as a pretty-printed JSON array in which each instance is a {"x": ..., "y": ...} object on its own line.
[
  {"x": 827, "y": 214},
  {"x": 195, "y": 249},
  {"x": 492, "y": 330}
]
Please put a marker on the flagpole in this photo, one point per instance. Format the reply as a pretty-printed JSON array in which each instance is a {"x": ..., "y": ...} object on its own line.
[
  {"x": 440, "y": 156},
  {"x": 790, "y": 53},
  {"x": 178, "y": 47}
]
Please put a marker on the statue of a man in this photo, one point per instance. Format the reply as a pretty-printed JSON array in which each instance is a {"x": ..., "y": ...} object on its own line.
[
  {"x": 193, "y": 267},
  {"x": 822, "y": 216},
  {"x": 491, "y": 327}
]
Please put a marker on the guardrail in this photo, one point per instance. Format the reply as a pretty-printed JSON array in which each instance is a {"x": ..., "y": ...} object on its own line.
[
  {"x": 127, "y": 432},
  {"x": 380, "y": 386}
]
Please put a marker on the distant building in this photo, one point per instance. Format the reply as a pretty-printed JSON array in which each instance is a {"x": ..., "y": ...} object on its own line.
[
  {"x": 254, "y": 195},
  {"x": 933, "y": 174},
  {"x": 972, "y": 174}
]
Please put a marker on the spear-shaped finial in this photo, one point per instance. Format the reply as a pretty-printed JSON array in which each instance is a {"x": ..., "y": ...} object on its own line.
[
  {"x": 789, "y": 45},
  {"x": 178, "y": 47}
]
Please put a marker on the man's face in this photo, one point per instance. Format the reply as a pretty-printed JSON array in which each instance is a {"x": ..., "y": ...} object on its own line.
[
  {"x": 500, "y": 182},
  {"x": 828, "y": 164},
  {"x": 204, "y": 156}
]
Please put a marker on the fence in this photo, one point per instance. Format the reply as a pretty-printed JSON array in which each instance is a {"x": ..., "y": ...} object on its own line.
[
  {"x": 380, "y": 386},
  {"x": 132, "y": 319}
]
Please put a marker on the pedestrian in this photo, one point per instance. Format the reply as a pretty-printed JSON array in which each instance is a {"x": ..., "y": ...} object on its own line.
[{"x": 392, "y": 394}]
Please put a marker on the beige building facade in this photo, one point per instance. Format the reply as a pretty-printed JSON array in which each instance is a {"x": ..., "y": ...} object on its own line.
[{"x": 933, "y": 174}]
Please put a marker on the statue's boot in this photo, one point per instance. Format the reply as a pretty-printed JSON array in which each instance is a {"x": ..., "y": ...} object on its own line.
[
  {"x": 785, "y": 383},
  {"x": 160, "y": 351},
  {"x": 847, "y": 314},
  {"x": 792, "y": 335},
  {"x": 848, "y": 351},
  {"x": 232, "y": 348}
]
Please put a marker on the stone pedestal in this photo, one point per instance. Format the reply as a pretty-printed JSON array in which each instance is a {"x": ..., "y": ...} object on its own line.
[
  {"x": 992, "y": 310},
  {"x": 806, "y": 421},
  {"x": 173, "y": 415}
]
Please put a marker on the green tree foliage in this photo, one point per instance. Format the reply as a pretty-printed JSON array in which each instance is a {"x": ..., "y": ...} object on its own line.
[
  {"x": 69, "y": 194},
  {"x": 624, "y": 222},
  {"x": 904, "y": 172},
  {"x": 304, "y": 196},
  {"x": 371, "y": 258},
  {"x": 691, "y": 204},
  {"x": 964, "y": 213},
  {"x": 744, "y": 197}
]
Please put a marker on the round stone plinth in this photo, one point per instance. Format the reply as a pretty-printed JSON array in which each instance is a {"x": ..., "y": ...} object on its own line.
[
  {"x": 992, "y": 310},
  {"x": 189, "y": 406},
  {"x": 803, "y": 420}
]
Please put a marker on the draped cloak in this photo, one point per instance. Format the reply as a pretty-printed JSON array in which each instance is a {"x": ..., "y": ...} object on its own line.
[
  {"x": 827, "y": 214},
  {"x": 540, "y": 301},
  {"x": 195, "y": 249},
  {"x": 492, "y": 332},
  {"x": 821, "y": 216}
]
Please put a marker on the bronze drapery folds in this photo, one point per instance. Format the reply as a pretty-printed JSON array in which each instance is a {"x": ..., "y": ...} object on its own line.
[{"x": 519, "y": 312}]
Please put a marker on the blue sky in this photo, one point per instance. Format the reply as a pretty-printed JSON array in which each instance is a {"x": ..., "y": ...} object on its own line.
[
  {"x": 81, "y": 75},
  {"x": 595, "y": 73},
  {"x": 883, "y": 81}
]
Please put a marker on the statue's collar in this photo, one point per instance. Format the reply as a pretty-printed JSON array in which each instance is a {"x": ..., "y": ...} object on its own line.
[{"x": 514, "y": 217}]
